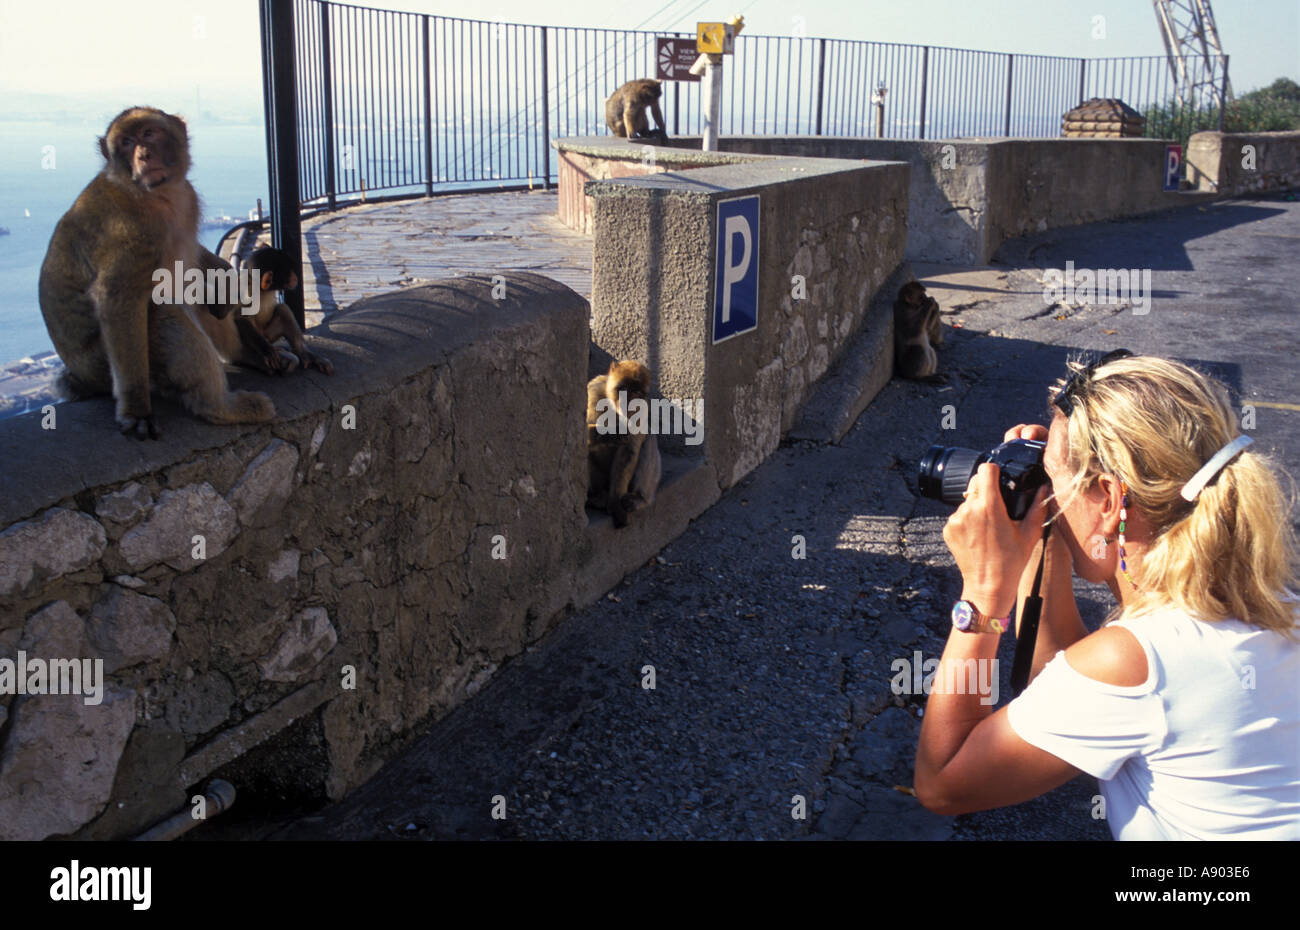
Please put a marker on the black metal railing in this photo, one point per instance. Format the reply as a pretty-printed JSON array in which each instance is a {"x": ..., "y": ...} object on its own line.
[{"x": 399, "y": 104}]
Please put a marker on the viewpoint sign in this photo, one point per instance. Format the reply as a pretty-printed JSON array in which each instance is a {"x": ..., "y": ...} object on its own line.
[
  {"x": 735, "y": 269},
  {"x": 673, "y": 59}
]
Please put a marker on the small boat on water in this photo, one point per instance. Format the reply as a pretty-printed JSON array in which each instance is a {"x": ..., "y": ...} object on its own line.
[
  {"x": 3, "y": 231},
  {"x": 219, "y": 222},
  {"x": 224, "y": 221}
]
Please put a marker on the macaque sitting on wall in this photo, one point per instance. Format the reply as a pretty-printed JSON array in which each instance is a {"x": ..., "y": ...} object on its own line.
[
  {"x": 138, "y": 218},
  {"x": 625, "y": 111}
]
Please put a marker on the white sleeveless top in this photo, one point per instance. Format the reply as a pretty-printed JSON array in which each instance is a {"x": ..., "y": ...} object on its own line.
[{"x": 1207, "y": 748}]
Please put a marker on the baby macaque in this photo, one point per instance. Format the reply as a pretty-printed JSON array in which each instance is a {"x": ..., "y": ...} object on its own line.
[{"x": 249, "y": 340}]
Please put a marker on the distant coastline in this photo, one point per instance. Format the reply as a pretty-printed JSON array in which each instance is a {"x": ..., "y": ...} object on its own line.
[{"x": 24, "y": 106}]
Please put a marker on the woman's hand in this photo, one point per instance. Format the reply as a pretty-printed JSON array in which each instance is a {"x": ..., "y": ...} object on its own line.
[
  {"x": 1057, "y": 550},
  {"x": 1026, "y": 431},
  {"x": 990, "y": 548}
]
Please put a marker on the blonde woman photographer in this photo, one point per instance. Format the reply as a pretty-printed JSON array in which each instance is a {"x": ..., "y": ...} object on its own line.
[{"x": 1185, "y": 705}]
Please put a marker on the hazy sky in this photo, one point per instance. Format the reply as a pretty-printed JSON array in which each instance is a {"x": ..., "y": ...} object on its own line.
[{"x": 165, "y": 53}]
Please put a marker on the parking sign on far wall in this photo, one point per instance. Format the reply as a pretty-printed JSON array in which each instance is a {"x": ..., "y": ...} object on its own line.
[
  {"x": 1173, "y": 167},
  {"x": 735, "y": 294}
]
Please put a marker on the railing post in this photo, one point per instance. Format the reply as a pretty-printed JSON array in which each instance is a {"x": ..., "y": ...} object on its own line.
[
  {"x": 1223, "y": 93},
  {"x": 1006, "y": 125},
  {"x": 281, "y": 107},
  {"x": 546, "y": 120},
  {"x": 327, "y": 102},
  {"x": 821, "y": 81},
  {"x": 677, "y": 107},
  {"x": 925, "y": 74},
  {"x": 1083, "y": 73},
  {"x": 428, "y": 111}
]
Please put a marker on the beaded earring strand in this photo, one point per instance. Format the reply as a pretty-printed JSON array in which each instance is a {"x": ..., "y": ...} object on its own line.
[{"x": 1123, "y": 521}]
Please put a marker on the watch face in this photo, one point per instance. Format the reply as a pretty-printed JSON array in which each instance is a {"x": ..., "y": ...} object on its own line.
[{"x": 961, "y": 616}]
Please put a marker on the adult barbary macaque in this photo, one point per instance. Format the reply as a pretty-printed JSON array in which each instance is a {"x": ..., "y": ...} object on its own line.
[
  {"x": 138, "y": 215},
  {"x": 917, "y": 330},
  {"x": 623, "y": 466},
  {"x": 625, "y": 111},
  {"x": 250, "y": 339}
]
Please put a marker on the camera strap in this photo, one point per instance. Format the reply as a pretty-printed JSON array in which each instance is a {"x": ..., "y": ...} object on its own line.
[{"x": 1027, "y": 631}]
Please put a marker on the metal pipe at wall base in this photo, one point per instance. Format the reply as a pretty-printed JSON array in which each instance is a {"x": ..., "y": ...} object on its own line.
[{"x": 218, "y": 797}]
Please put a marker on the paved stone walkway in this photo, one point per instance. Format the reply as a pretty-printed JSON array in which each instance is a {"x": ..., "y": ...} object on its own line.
[{"x": 373, "y": 248}]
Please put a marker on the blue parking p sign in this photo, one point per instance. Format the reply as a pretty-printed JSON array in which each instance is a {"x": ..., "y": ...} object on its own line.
[
  {"x": 1173, "y": 167},
  {"x": 735, "y": 294}
]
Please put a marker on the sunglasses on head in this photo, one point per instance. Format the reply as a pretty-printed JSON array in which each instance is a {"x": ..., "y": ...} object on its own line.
[{"x": 1064, "y": 399}]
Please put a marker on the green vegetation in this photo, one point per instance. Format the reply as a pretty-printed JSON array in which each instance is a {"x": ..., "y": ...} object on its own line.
[{"x": 1275, "y": 108}]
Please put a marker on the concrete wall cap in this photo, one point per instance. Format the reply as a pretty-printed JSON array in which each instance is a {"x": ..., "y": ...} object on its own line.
[
  {"x": 376, "y": 342},
  {"x": 723, "y": 180}
]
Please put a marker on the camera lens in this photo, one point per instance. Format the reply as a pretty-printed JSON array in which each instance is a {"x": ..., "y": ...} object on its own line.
[{"x": 945, "y": 472}]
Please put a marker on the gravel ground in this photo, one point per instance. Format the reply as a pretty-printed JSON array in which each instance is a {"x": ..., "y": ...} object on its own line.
[{"x": 772, "y": 674}]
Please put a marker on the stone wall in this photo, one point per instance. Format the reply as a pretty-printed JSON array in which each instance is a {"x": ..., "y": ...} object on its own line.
[
  {"x": 947, "y": 210},
  {"x": 335, "y": 567},
  {"x": 831, "y": 232},
  {"x": 603, "y": 158},
  {"x": 1232, "y": 164},
  {"x": 1039, "y": 184},
  {"x": 968, "y": 196},
  {"x": 294, "y": 601},
  {"x": 576, "y": 170}
]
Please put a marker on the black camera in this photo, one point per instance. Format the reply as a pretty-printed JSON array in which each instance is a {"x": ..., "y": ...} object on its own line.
[{"x": 946, "y": 471}]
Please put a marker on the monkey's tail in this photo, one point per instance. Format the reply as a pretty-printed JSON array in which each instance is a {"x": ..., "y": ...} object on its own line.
[
  {"x": 232, "y": 407},
  {"x": 70, "y": 387},
  {"x": 249, "y": 407}
]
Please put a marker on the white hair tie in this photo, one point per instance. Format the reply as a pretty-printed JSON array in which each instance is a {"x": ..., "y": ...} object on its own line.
[{"x": 1192, "y": 489}]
